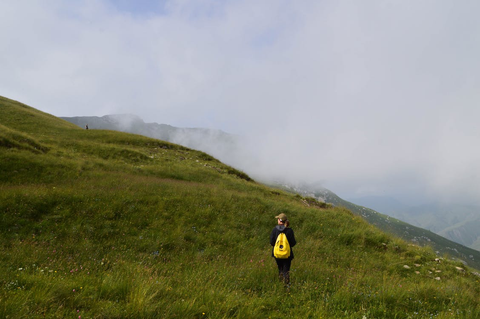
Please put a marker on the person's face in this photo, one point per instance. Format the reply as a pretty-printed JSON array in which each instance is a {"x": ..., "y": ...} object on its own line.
[{"x": 280, "y": 222}]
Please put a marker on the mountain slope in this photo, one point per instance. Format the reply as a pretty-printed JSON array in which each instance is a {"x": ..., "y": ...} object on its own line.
[
  {"x": 220, "y": 144},
  {"x": 103, "y": 224},
  {"x": 466, "y": 232},
  {"x": 410, "y": 233},
  {"x": 447, "y": 220},
  {"x": 215, "y": 142}
]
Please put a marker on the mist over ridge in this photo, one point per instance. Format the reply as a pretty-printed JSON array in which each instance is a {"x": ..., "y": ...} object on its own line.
[
  {"x": 445, "y": 219},
  {"x": 369, "y": 99}
]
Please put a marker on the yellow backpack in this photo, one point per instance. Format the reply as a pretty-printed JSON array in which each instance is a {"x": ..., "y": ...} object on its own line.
[{"x": 282, "y": 247}]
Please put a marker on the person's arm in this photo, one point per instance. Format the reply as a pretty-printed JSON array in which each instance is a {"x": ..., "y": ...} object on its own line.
[
  {"x": 273, "y": 238},
  {"x": 292, "y": 240}
]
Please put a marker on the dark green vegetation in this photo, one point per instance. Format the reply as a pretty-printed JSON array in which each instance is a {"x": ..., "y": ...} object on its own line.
[{"x": 102, "y": 224}]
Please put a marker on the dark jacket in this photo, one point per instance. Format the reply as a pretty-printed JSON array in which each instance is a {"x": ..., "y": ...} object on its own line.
[{"x": 290, "y": 236}]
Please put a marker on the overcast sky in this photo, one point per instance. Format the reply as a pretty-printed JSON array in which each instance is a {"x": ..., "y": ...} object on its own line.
[{"x": 367, "y": 97}]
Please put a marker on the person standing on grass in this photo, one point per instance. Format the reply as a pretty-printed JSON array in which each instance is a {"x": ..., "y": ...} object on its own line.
[{"x": 283, "y": 263}]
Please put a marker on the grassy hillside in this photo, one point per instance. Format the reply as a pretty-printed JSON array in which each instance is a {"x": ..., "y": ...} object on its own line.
[
  {"x": 458, "y": 222},
  {"x": 420, "y": 236},
  {"x": 441, "y": 245},
  {"x": 102, "y": 224},
  {"x": 460, "y": 240}
]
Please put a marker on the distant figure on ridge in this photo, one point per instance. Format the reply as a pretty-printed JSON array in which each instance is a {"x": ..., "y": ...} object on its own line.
[
  {"x": 86, "y": 127},
  {"x": 282, "y": 239}
]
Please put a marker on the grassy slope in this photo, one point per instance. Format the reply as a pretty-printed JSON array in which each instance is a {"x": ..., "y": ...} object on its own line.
[
  {"x": 417, "y": 235},
  {"x": 441, "y": 245},
  {"x": 102, "y": 224}
]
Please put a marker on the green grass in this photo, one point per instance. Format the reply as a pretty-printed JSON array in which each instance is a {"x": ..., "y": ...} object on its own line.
[
  {"x": 101, "y": 224},
  {"x": 420, "y": 236}
]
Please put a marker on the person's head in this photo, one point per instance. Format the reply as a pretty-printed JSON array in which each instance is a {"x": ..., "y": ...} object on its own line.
[{"x": 282, "y": 219}]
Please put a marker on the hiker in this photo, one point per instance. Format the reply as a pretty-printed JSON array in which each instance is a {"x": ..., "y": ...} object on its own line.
[
  {"x": 283, "y": 263},
  {"x": 86, "y": 127}
]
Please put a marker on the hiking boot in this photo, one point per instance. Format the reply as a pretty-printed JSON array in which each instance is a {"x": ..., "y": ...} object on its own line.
[{"x": 287, "y": 278}]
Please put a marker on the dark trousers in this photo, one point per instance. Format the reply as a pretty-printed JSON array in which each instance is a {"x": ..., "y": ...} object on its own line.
[{"x": 283, "y": 265}]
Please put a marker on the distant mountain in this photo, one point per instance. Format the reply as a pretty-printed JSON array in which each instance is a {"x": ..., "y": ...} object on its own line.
[
  {"x": 402, "y": 229},
  {"x": 226, "y": 147},
  {"x": 464, "y": 232},
  {"x": 457, "y": 222},
  {"x": 384, "y": 204},
  {"x": 208, "y": 140}
]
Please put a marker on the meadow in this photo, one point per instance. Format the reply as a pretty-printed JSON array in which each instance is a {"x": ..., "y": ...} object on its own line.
[{"x": 102, "y": 224}]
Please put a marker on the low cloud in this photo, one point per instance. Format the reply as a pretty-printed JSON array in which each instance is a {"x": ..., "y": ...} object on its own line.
[{"x": 370, "y": 98}]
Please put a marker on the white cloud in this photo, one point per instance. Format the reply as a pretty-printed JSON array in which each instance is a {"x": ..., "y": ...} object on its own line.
[{"x": 368, "y": 97}]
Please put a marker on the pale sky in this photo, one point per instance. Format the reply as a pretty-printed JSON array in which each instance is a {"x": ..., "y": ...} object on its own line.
[{"x": 367, "y": 97}]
